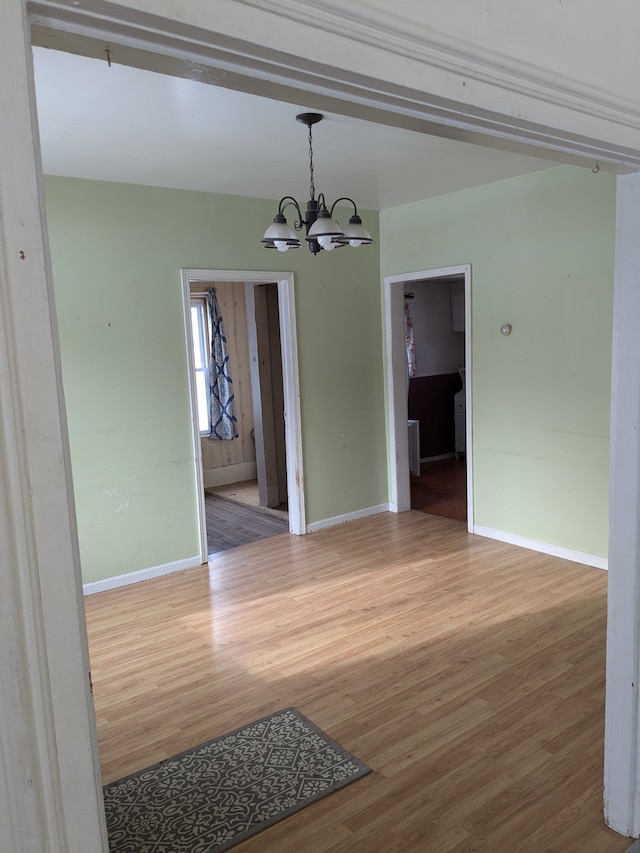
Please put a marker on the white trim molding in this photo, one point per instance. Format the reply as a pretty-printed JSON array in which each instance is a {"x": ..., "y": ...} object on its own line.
[
  {"x": 141, "y": 575},
  {"x": 348, "y": 516},
  {"x": 543, "y": 547},
  {"x": 230, "y": 474},
  {"x": 290, "y": 374},
  {"x": 467, "y": 82},
  {"x": 196, "y": 442},
  {"x": 396, "y": 383},
  {"x": 50, "y": 789},
  {"x": 385, "y": 29},
  {"x": 622, "y": 723}
]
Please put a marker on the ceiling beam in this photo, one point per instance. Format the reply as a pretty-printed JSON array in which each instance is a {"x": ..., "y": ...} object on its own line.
[{"x": 146, "y": 41}]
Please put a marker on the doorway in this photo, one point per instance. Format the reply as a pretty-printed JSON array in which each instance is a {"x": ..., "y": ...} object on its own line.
[
  {"x": 405, "y": 473},
  {"x": 278, "y": 458},
  {"x": 434, "y": 321}
]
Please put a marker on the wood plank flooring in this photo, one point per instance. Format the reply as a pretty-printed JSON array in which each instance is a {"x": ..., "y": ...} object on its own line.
[
  {"x": 467, "y": 673},
  {"x": 230, "y": 524},
  {"x": 441, "y": 488}
]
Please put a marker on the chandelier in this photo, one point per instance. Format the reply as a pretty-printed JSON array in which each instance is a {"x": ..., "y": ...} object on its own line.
[{"x": 322, "y": 230}]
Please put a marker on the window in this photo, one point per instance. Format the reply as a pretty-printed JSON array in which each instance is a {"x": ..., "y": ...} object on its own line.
[{"x": 201, "y": 349}]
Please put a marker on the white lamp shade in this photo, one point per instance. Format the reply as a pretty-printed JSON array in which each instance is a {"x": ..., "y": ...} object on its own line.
[
  {"x": 279, "y": 236},
  {"x": 356, "y": 234},
  {"x": 324, "y": 226},
  {"x": 326, "y": 231}
]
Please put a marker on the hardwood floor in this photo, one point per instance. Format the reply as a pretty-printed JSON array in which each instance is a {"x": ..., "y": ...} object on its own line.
[
  {"x": 441, "y": 488},
  {"x": 467, "y": 673},
  {"x": 231, "y": 524}
]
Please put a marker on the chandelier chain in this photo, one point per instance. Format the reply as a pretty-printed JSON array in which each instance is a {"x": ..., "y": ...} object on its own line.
[{"x": 312, "y": 186}]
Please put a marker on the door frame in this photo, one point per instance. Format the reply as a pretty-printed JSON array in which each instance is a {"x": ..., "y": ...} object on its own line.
[
  {"x": 290, "y": 378},
  {"x": 396, "y": 382}
]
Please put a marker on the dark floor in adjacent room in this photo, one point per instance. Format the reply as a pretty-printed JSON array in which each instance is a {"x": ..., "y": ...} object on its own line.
[
  {"x": 234, "y": 520},
  {"x": 231, "y": 524},
  {"x": 441, "y": 488}
]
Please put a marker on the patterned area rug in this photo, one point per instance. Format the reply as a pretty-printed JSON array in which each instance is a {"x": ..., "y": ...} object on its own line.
[{"x": 220, "y": 793}]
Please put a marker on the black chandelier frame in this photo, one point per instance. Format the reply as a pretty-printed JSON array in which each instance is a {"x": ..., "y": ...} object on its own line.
[{"x": 316, "y": 210}]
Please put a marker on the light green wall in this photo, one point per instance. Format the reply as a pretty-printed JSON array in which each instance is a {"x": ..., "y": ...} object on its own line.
[
  {"x": 541, "y": 250},
  {"x": 117, "y": 251}
]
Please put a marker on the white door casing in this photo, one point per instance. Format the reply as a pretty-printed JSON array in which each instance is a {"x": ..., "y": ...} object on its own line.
[
  {"x": 396, "y": 369},
  {"x": 50, "y": 781},
  {"x": 290, "y": 376},
  {"x": 622, "y": 724}
]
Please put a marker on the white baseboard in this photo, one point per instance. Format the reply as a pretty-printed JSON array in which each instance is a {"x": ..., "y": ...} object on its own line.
[
  {"x": 543, "y": 547},
  {"x": 141, "y": 575},
  {"x": 349, "y": 516},
  {"x": 230, "y": 474}
]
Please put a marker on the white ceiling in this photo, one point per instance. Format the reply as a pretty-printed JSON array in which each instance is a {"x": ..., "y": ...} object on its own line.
[{"x": 127, "y": 125}]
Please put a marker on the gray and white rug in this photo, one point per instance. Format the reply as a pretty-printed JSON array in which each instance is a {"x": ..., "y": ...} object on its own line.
[{"x": 220, "y": 793}]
